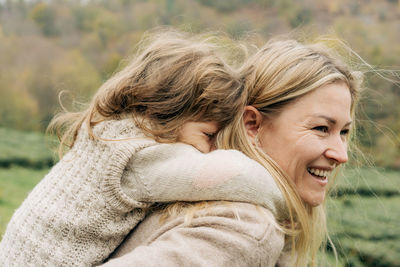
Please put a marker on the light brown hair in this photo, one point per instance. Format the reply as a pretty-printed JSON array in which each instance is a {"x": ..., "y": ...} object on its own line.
[
  {"x": 277, "y": 74},
  {"x": 173, "y": 78}
]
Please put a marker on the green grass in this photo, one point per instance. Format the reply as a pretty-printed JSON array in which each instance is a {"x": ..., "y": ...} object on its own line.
[
  {"x": 364, "y": 217},
  {"x": 25, "y": 149},
  {"x": 368, "y": 182},
  {"x": 366, "y": 227},
  {"x": 15, "y": 184}
]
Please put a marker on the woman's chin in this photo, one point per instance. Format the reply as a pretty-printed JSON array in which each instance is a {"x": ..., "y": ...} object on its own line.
[{"x": 313, "y": 200}]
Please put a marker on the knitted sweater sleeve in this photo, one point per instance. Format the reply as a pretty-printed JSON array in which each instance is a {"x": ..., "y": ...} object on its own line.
[{"x": 179, "y": 172}]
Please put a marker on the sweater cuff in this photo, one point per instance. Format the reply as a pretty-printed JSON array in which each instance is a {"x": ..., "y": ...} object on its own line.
[{"x": 122, "y": 153}]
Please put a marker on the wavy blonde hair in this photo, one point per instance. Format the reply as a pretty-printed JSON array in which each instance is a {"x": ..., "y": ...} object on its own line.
[
  {"x": 276, "y": 75},
  {"x": 173, "y": 78}
]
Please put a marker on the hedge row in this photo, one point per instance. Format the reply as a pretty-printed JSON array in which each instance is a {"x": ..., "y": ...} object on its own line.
[
  {"x": 366, "y": 229},
  {"x": 27, "y": 149}
]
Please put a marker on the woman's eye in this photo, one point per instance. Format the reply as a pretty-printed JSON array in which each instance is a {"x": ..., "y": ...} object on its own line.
[
  {"x": 323, "y": 129},
  {"x": 345, "y": 132}
]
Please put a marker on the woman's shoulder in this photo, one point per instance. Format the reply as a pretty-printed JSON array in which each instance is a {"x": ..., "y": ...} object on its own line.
[
  {"x": 249, "y": 219},
  {"x": 235, "y": 233}
]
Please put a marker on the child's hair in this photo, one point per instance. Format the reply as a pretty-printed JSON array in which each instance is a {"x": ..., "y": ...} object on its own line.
[{"x": 173, "y": 78}]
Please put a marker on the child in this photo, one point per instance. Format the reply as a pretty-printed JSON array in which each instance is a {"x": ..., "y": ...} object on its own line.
[{"x": 124, "y": 157}]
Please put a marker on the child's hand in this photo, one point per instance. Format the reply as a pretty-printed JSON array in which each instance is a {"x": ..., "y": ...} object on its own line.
[{"x": 199, "y": 134}]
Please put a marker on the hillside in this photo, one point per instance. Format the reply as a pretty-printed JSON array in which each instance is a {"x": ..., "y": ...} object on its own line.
[{"x": 51, "y": 46}]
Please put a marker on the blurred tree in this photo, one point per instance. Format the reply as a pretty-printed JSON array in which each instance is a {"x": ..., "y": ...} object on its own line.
[
  {"x": 18, "y": 108},
  {"x": 74, "y": 73},
  {"x": 106, "y": 28},
  {"x": 300, "y": 17},
  {"x": 84, "y": 17},
  {"x": 45, "y": 17},
  {"x": 111, "y": 65},
  {"x": 237, "y": 28}
]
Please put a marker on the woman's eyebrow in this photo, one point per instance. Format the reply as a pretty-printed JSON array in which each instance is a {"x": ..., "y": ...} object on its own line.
[{"x": 329, "y": 119}]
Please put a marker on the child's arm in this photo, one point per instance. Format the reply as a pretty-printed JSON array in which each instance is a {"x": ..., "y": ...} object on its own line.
[{"x": 179, "y": 172}]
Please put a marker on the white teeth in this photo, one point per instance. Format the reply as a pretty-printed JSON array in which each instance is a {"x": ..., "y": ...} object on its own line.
[{"x": 318, "y": 172}]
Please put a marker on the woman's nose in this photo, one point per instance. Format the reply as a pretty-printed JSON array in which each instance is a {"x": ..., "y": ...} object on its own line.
[{"x": 337, "y": 150}]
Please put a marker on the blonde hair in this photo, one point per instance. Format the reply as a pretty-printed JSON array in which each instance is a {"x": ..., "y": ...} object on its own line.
[
  {"x": 173, "y": 78},
  {"x": 277, "y": 74}
]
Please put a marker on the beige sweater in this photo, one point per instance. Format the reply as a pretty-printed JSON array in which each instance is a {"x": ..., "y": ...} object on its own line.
[
  {"x": 224, "y": 234},
  {"x": 81, "y": 211}
]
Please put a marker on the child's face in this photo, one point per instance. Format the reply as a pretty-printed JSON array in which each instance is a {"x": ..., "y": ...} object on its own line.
[{"x": 199, "y": 134}]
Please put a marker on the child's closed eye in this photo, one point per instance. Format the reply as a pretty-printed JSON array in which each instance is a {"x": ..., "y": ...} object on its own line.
[
  {"x": 210, "y": 135},
  {"x": 201, "y": 135}
]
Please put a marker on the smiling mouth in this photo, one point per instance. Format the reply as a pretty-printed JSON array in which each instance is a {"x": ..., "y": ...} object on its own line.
[{"x": 319, "y": 174}]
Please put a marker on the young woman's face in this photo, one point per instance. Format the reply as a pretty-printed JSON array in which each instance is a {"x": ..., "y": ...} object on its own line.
[{"x": 308, "y": 139}]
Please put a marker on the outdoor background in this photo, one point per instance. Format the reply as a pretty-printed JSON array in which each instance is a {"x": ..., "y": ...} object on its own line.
[{"x": 50, "y": 46}]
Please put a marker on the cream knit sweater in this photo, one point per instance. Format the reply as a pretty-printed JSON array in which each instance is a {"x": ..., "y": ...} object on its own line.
[
  {"x": 81, "y": 211},
  {"x": 231, "y": 234}
]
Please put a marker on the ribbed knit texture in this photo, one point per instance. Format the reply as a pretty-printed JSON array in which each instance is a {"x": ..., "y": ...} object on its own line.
[
  {"x": 81, "y": 211},
  {"x": 77, "y": 215}
]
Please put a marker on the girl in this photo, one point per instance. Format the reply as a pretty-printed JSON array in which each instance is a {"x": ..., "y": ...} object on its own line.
[{"x": 122, "y": 158}]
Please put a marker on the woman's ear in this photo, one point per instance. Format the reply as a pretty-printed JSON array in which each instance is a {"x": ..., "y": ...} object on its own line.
[{"x": 252, "y": 119}]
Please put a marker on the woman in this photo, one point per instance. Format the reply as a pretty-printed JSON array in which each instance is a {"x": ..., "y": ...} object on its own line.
[{"x": 297, "y": 124}]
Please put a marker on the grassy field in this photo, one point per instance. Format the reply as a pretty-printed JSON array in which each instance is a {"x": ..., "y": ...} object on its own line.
[
  {"x": 15, "y": 184},
  {"x": 363, "y": 218},
  {"x": 25, "y": 149}
]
